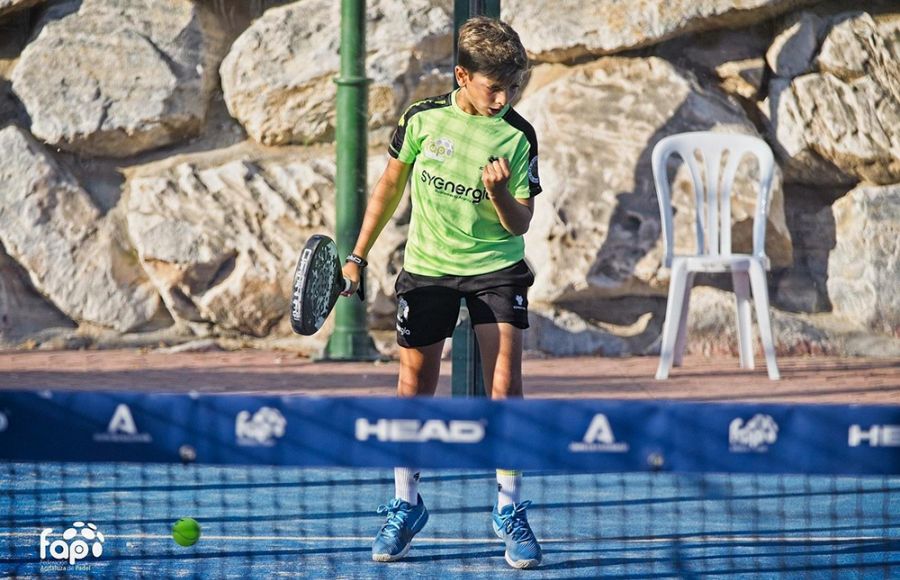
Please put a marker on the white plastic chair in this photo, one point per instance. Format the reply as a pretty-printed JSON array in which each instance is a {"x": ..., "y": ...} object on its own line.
[{"x": 713, "y": 226}]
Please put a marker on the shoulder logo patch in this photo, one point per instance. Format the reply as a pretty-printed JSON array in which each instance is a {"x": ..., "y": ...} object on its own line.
[{"x": 533, "y": 170}]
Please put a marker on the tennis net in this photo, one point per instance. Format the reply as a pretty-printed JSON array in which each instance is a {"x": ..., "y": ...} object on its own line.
[{"x": 288, "y": 486}]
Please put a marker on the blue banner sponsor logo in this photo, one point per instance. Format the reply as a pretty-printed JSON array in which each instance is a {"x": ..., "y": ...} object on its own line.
[
  {"x": 261, "y": 428},
  {"x": 415, "y": 431},
  {"x": 591, "y": 435},
  {"x": 599, "y": 437},
  {"x": 756, "y": 435},
  {"x": 874, "y": 436},
  {"x": 122, "y": 428}
]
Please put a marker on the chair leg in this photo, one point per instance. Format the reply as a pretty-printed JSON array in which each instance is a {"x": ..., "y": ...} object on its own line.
[
  {"x": 681, "y": 340},
  {"x": 741, "y": 282},
  {"x": 761, "y": 300},
  {"x": 673, "y": 316}
]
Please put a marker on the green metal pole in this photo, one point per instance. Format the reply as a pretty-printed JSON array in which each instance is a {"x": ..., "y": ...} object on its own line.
[
  {"x": 466, "y": 378},
  {"x": 350, "y": 339}
]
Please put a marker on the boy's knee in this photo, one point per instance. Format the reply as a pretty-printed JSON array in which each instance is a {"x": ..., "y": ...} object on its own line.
[
  {"x": 409, "y": 386},
  {"x": 506, "y": 388},
  {"x": 414, "y": 382}
]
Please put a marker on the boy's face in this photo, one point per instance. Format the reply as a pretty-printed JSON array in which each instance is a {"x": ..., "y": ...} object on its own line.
[{"x": 483, "y": 95}]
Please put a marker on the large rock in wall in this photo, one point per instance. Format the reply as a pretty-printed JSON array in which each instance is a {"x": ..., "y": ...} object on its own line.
[
  {"x": 735, "y": 56},
  {"x": 580, "y": 29},
  {"x": 77, "y": 258},
  {"x": 219, "y": 237},
  {"x": 864, "y": 266},
  {"x": 23, "y": 313},
  {"x": 278, "y": 78},
  {"x": 596, "y": 230},
  {"x": 137, "y": 75},
  {"x": 840, "y": 123}
]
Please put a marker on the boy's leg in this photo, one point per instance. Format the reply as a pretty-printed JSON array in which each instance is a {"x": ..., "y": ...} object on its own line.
[
  {"x": 406, "y": 514},
  {"x": 500, "y": 345},
  {"x": 426, "y": 314},
  {"x": 509, "y": 486},
  {"x": 501, "y": 354},
  {"x": 420, "y": 370}
]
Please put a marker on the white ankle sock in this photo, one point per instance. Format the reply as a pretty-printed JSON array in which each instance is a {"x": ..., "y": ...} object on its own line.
[
  {"x": 509, "y": 486},
  {"x": 406, "y": 484}
]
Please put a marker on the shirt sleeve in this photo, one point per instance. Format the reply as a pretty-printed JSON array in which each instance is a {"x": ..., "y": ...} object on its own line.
[
  {"x": 524, "y": 180},
  {"x": 405, "y": 145}
]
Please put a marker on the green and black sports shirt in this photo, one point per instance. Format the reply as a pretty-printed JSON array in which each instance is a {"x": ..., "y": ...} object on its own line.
[{"x": 454, "y": 229}]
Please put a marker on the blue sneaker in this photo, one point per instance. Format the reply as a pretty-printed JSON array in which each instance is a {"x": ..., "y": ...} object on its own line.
[
  {"x": 511, "y": 526},
  {"x": 403, "y": 522}
]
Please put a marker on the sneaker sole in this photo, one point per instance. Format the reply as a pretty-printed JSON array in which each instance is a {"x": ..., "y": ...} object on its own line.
[
  {"x": 521, "y": 563},
  {"x": 389, "y": 558}
]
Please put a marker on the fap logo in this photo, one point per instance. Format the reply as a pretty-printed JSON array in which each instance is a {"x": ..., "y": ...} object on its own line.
[
  {"x": 756, "y": 435},
  {"x": 262, "y": 428},
  {"x": 77, "y": 542}
]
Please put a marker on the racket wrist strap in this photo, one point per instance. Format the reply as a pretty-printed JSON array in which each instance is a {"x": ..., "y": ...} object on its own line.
[
  {"x": 357, "y": 259},
  {"x": 362, "y": 263}
]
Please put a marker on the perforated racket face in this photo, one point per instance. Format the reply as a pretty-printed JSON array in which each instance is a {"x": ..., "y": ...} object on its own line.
[{"x": 317, "y": 284}]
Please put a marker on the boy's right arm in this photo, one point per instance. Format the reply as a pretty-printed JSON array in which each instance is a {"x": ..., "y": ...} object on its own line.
[{"x": 381, "y": 206}]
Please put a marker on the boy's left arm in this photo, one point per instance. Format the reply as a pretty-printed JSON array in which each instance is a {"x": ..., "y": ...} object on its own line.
[{"x": 515, "y": 213}]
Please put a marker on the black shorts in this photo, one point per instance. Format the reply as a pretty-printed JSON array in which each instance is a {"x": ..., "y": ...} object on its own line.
[{"x": 428, "y": 306}]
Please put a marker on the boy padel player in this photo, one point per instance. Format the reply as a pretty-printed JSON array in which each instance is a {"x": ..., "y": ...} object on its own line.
[{"x": 473, "y": 164}]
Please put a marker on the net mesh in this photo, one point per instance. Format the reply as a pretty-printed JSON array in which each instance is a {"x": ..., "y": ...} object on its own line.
[{"x": 262, "y": 520}]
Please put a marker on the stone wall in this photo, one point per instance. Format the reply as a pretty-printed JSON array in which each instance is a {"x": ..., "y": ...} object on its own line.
[{"x": 160, "y": 167}]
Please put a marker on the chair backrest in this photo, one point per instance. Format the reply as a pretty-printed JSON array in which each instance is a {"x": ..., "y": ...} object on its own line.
[{"x": 712, "y": 194}]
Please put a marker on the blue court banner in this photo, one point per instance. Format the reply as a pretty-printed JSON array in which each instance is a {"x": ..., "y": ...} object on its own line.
[{"x": 549, "y": 435}]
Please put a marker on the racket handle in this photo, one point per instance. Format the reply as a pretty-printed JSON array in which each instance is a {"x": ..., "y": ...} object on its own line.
[{"x": 360, "y": 291}]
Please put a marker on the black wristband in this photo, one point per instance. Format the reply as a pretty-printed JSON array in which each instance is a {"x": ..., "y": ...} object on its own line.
[{"x": 358, "y": 260}]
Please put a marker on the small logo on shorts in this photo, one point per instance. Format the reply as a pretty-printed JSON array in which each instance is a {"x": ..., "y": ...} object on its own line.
[
  {"x": 402, "y": 316},
  {"x": 520, "y": 302}
]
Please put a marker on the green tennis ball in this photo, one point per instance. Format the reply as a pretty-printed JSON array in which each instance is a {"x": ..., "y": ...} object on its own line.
[{"x": 186, "y": 531}]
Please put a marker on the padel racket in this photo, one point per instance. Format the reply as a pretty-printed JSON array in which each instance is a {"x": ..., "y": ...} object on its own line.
[{"x": 318, "y": 282}]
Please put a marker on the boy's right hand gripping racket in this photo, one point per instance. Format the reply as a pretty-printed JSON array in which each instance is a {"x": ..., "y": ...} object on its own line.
[{"x": 318, "y": 282}]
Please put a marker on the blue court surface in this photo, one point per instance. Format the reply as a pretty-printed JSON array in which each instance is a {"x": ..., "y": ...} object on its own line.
[{"x": 267, "y": 522}]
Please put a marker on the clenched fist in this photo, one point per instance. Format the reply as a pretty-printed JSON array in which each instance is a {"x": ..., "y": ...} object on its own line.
[{"x": 495, "y": 176}]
